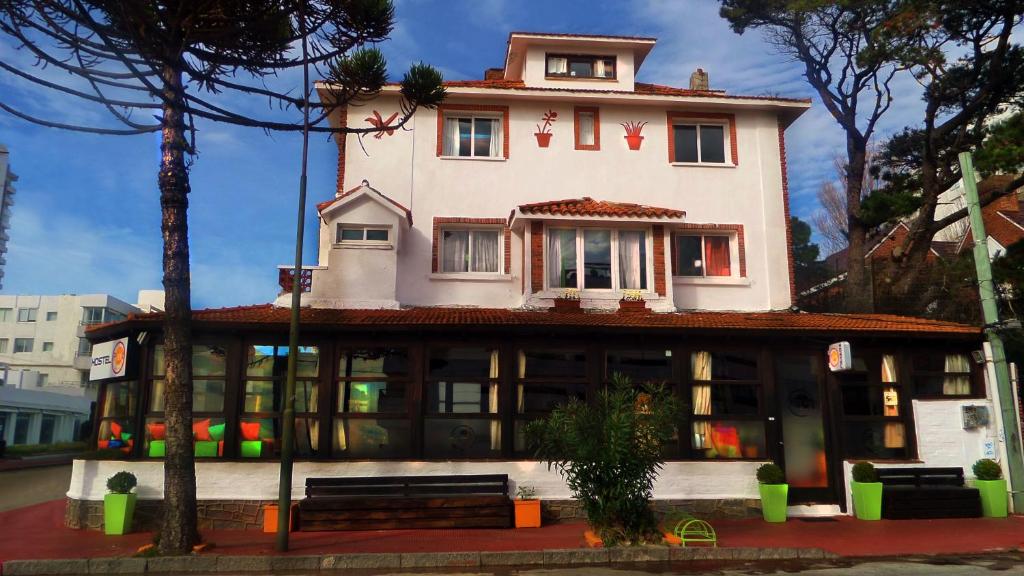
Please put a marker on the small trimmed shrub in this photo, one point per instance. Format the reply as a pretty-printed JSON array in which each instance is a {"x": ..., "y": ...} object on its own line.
[
  {"x": 526, "y": 493},
  {"x": 770, "y": 474},
  {"x": 122, "y": 482},
  {"x": 864, "y": 472},
  {"x": 986, "y": 469}
]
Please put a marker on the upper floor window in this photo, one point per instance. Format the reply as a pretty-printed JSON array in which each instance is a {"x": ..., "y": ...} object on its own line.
[
  {"x": 699, "y": 256},
  {"x": 593, "y": 258},
  {"x": 5, "y": 314},
  {"x": 27, "y": 314},
  {"x": 699, "y": 143},
  {"x": 580, "y": 66},
  {"x": 51, "y": 316},
  {"x": 471, "y": 250},
  {"x": 23, "y": 345},
  {"x": 587, "y": 128},
  {"x": 472, "y": 136},
  {"x": 362, "y": 235}
]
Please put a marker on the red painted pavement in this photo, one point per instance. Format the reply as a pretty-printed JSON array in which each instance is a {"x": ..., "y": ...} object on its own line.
[{"x": 37, "y": 532}]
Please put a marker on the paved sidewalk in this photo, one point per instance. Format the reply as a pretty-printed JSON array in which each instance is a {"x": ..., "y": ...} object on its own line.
[{"x": 39, "y": 533}]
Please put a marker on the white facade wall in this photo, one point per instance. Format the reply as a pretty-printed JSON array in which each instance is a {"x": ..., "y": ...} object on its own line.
[{"x": 406, "y": 168}]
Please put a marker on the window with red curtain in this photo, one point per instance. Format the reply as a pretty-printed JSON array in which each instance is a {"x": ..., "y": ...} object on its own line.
[{"x": 716, "y": 256}]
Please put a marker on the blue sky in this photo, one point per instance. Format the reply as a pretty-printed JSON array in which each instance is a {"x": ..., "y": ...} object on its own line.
[{"x": 87, "y": 214}]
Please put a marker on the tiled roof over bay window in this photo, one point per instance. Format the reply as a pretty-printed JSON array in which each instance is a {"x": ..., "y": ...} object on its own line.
[{"x": 587, "y": 206}]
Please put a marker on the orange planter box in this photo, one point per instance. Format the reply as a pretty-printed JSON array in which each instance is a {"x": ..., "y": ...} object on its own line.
[
  {"x": 527, "y": 513},
  {"x": 270, "y": 518}
]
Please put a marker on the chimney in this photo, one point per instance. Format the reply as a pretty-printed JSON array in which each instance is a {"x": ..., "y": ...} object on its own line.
[
  {"x": 494, "y": 74},
  {"x": 699, "y": 80}
]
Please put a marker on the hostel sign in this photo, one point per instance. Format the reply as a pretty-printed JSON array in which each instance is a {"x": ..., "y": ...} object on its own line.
[
  {"x": 109, "y": 360},
  {"x": 840, "y": 358}
]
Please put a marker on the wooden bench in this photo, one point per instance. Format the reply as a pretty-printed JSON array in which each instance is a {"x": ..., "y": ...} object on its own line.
[
  {"x": 400, "y": 502},
  {"x": 927, "y": 493}
]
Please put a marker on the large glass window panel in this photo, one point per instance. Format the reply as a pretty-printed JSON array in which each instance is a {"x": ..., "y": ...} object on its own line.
[
  {"x": 483, "y": 131},
  {"x": 724, "y": 365},
  {"x": 462, "y": 397},
  {"x": 207, "y": 395},
  {"x": 640, "y": 365},
  {"x": 208, "y": 360},
  {"x": 716, "y": 256},
  {"x": 371, "y": 397},
  {"x": 461, "y": 438},
  {"x": 485, "y": 255},
  {"x": 685, "y": 143},
  {"x": 261, "y": 396},
  {"x": 581, "y": 68},
  {"x": 712, "y": 144},
  {"x": 552, "y": 364},
  {"x": 119, "y": 399},
  {"x": 728, "y": 439},
  {"x": 372, "y": 438},
  {"x": 463, "y": 362},
  {"x": 264, "y": 361},
  {"x": 875, "y": 439},
  {"x": 465, "y": 136},
  {"x": 544, "y": 398},
  {"x": 374, "y": 363},
  {"x": 561, "y": 259},
  {"x": 597, "y": 259},
  {"x": 689, "y": 256}
]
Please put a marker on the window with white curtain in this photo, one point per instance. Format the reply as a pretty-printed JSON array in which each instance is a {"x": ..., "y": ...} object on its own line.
[
  {"x": 595, "y": 258},
  {"x": 588, "y": 130},
  {"x": 471, "y": 250},
  {"x": 580, "y": 66},
  {"x": 472, "y": 136}
]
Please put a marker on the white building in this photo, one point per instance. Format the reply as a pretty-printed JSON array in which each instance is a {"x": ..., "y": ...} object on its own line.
[
  {"x": 435, "y": 323},
  {"x": 45, "y": 360},
  {"x": 7, "y": 180}
]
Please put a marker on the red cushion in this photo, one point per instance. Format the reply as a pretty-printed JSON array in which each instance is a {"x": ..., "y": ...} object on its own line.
[
  {"x": 157, "y": 431},
  {"x": 115, "y": 430},
  {"x": 201, "y": 430},
  {"x": 102, "y": 444},
  {"x": 250, "y": 430}
]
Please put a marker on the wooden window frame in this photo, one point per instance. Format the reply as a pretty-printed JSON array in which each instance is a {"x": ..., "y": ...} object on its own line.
[
  {"x": 873, "y": 360},
  {"x": 675, "y": 118},
  {"x": 592, "y": 58},
  {"x": 976, "y": 376},
  {"x": 335, "y": 413},
  {"x": 526, "y": 382},
  {"x": 275, "y": 381},
  {"x": 576, "y": 111}
]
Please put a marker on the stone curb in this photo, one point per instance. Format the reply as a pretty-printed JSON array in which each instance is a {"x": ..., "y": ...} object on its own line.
[{"x": 337, "y": 562}]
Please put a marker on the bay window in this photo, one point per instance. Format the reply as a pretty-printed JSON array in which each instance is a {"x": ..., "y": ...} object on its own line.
[
  {"x": 472, "y": 136},
  {"x": 703, "y": 256},
  {"x": 471, "y": 250},
  {"x": 608, "y": 259}
]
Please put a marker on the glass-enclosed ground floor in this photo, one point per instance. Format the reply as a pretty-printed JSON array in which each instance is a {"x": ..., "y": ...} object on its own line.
[{"x": 379, "y": 395}]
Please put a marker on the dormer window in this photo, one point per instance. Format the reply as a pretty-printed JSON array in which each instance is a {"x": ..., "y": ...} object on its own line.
[
  {"x": 580, "y": 66},
  {"x": 356, "y": 235}
]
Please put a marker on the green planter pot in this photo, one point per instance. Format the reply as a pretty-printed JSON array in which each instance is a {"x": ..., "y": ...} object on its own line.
[
  {"x": 993, "y": 497},
  {"x": 118, "y": 510},
  {"x": 867, "y": 500},
  {"x": 774, "y": 499}
]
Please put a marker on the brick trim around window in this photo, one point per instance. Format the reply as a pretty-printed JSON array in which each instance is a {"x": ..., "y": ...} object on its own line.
[
  {"x": 740, "y": 241},
  {"x": 576, "y": 127},
  {"x": 674, "y": 118},
  {"x": 658, "y": 237},
  {"x": 443, "y": 108},
  {"x": 536, "y": 256},
  {"x": 441, "y": 221}
]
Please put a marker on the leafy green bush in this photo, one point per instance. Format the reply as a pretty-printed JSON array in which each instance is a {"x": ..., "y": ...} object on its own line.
[
  {"x": 864, "y": 472},
  {"x": 986, "y": 469},
  {"x": 610, "y": 452},
  {"x": 122, "y": 482},
  {"x": 770, "y": 474}
]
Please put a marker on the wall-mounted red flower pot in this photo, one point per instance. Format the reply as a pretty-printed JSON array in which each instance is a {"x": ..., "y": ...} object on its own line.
[
  {"x": 543, "y": 139},
  {"x": 634, "y": 141}
]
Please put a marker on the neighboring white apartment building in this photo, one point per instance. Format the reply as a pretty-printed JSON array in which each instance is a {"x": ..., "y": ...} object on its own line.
[
  {"x": 45, "y": 360},
  {"x": 435, "y": 327},
  {"x": 7, "y": 180}
]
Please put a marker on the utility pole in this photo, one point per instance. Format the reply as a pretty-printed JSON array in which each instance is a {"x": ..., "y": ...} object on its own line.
[
  {"x": 284, "y": 495},
  {"x": 986, "y": 288}
]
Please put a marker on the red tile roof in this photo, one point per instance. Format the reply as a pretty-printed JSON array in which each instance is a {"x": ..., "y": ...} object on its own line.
[
  {"x": 769, "y": 323},
  {"x": 326, "y": 203},
  {"x": 587, "y": 206}
]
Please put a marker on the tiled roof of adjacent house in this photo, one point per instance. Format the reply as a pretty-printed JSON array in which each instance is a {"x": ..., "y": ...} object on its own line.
[
  {"x": 587, "y": 206},
  {"x": 267, "y": 316}
]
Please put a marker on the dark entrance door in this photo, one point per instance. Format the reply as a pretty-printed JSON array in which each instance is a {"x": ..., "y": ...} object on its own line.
[{"x": 804, "y": 451}]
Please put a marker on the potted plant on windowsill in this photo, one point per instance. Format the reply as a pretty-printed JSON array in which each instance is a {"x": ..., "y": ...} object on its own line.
[
  {"x": 867, "y": 492},
  {"x": 992, "y": 487},
  {"x": 633, "y": 137},
  {"x": 527, "y": 507},
  {"x": 774, "y": 492},
  {"x": 543, "y": 133},
  {"x": 569, "y": 301},
  {"x": 632, "y": 301},
  {"x": 119, "y": 504}
]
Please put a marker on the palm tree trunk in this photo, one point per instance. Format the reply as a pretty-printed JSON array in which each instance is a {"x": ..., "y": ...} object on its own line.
[{"x": 179, "y": 531}]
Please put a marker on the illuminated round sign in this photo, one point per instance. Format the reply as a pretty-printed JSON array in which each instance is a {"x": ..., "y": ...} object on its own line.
[
  {"x": 118, "y": 358},
  {"x": 834, "y": 358}
]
